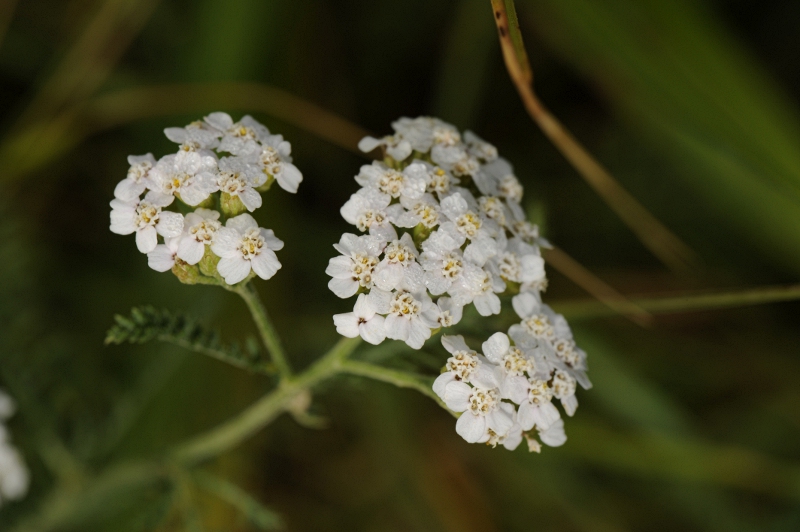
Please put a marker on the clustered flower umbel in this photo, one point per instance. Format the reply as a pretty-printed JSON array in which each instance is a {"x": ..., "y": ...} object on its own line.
[
  {"x": 219, "y": 170},
  {"x": 14, "y": 476},
  {"x": 443, "y": 228}
]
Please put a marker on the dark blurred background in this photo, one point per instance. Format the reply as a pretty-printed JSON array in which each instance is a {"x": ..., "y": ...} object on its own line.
[{"x": 693, "y": 423}]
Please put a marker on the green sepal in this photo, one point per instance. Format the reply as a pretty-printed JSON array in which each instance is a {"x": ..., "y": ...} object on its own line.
[
  {"x": 231, "y": 205},
  {"x": 267, "y": 184}
]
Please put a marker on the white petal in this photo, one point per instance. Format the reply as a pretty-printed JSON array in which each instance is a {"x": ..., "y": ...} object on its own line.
[
  {"x": 397, "y": 328},
  {"x": 122, "y": 222},
  {"x": 265, "y": 264},
  {"x": 487, "y": 304},
  {"x": 570, "y": 404},
  {"x": 456, "y": 396},
  {"x": 379, "y": 300},
  {"x": 554, "y": 436},
  {"x": 496, "y": 347},
  {"x": 170, "y": 224},
  {"x": 221, "y": 121},
  {"x": 250, "y": 198},
  {"x": 233, "y": 269},
  {"x": 193, "y": 194},
  {"x": 515, "y": 388},
  {"x": 343, "y": 288},
  {"x": 363, "y": 308},
  {"x": 190, "y": 250},
  {"x": 274, "y": 243},
  {"x": 226, "y": 242},
  {"x": 290, "y": 178},
  {"x": 499, "y": 421},
  {"x": 526, "y": 304},
  {"x": 373, "y": 331},
  {"x": 346, "y": 324},
  {"x": 161, "y": 258},
  {"x": 455, "y": 343},
  {"x": 242, "y": 223},
  {"x": 471, "y": 427},
  {"x": 146, "y": 239},
  {"x": 441, "y": 383},
  {"x": 128, "y": 189},
  {"x": 367, "y": 144},
  {"x": 525, "y": 415},
  {"x": 418, "y": 333},
  {"x": 387, "y": 276},
  {"x": 545, "y": 415}
]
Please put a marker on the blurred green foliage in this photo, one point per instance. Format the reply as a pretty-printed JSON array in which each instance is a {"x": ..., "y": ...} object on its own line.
[{"x": 693, "y": 423}]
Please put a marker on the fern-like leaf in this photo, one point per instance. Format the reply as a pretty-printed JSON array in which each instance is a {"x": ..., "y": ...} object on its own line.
[{"x": 148, "y": 323}]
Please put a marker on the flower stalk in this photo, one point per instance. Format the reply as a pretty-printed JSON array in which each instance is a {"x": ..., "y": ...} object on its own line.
[
  {"x": 265, "y": 328},
  {"x": 231, "y": 433}
]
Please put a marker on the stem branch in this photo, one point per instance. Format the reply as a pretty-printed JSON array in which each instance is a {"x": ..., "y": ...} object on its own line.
[
  {"x": 265, "y": 328},
  {"x": 399, "y": 378},
  {"x": 232, "y": 432}
]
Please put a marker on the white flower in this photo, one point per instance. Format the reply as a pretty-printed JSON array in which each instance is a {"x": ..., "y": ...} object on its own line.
[
  {"x": 479, "y": 147},
  {"x": 542, "y": 323},
  {"x": 443, "y": 267},
  {"x": 564, "y": 390},
  {"x": 497, "y": 179},
  {"x": 478, "y": 286},
  {"x": 465, "y": 365},
  {"x": 240, "y": 138},
  {"x": 424, "y": 210},
  {"x": 410, "y": 183},
  {"x": 199, "y": 229},
  {"x": 440, "y": 180},
  {"x": 410, "y": 318},
  {"x": 362, "y": 321},
  {"x": 191, "y": 176},
  {"x": 137, "y": 179},
  {"x": 423, "y": 132},
  {"x": 368, "y": 209},
  {"x": 239, "y": 177},
  {"x": 449, "y": 313},
  {"x": 396, "y": 147},
  {"x": 481, "y": 409},
  {"x": 536, "y": 408},
  {"x": 162, "y": 258},
  {"x": 355, "y": 266},
  {"x": 521, "y": 263},
  {"x": 399, "y": 266},
  {"x": 14, "y": 476},
  {"x": 509, "y": 440},
  {"x": 276, "y": 161},
  {"x": 464, "y": 223},
  {"x": 196, "y": 136},
  {"x": 243, "y": 245},
  {"x": 146, "y": 219},
  {"x": 554, "y": 435}
]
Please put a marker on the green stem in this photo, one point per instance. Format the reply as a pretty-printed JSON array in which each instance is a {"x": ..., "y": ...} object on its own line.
[
  {"x": 268, "y": 333},
  {"x": 685, "y": 302},
  {"x": 399, "y": 378},
  {"x": 262, "y": 412}
]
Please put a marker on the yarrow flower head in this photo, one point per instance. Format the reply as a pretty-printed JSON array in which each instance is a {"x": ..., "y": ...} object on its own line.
[
  {"x": 14, "y": 475},
  {"x": 444, "y": 229},
  {"x": 220, "y": 170},
  {"x": 441, "y": 214}
]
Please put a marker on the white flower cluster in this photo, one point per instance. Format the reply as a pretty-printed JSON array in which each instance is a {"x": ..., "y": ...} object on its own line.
[
  {"x": 220, "y": 169},
  {"x": 14, "y": 476},
  {"x": 445, "y": 230},
  {"x": 508, "y": 391}
]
